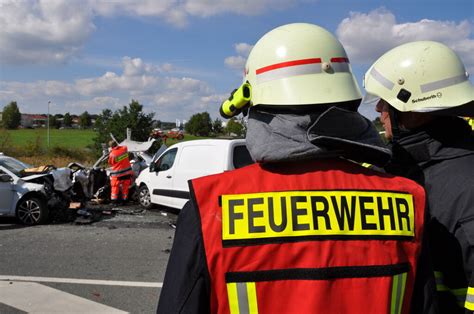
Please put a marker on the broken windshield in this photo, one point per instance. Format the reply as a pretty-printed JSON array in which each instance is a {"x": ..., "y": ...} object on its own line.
[{"x": 14, "y": 165}]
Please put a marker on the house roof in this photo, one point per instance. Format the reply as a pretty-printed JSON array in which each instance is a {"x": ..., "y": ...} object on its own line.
[{"x": 34, "y": 116}]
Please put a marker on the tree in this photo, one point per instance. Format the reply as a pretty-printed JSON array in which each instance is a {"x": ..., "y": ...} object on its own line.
[
  {"x": 11, "y": 116},
  {"x": 54, "y": 122},
  {"x": 234, "y": 126},
  {"x": 85, "y": 120},
  {"x": 199, "y": 124},
  {"x": 117, "y": 123},
  {"x": 67, "y": 120},
  {"x": 217, "y": 126},
  {"x": 103, "y": 118}
]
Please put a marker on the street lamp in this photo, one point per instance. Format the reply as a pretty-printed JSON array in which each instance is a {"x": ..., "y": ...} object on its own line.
[{"x": 49, "y": 102}]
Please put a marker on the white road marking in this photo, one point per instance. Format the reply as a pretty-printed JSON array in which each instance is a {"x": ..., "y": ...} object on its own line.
[
  {"x": 84, "y": 281},
  {"x": 35, "y": 298}
]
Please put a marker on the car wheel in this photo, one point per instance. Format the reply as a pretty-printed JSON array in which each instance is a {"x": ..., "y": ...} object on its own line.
[
  {"x": 31, "y": 210},
  {"x": 144, "y": 197}
]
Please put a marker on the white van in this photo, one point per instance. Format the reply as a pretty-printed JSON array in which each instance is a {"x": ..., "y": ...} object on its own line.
[{"x": 165, "y": 182}]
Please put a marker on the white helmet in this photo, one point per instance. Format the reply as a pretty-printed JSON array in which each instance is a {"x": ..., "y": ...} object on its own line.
[
  {"x": 423, "y": 76},
  {"x": 300, "y": 64}
]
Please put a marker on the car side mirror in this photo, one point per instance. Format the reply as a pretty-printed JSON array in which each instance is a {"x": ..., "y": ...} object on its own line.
[
  {"x": 5, "y": 178},
  {"x": 152, "y": 167}
]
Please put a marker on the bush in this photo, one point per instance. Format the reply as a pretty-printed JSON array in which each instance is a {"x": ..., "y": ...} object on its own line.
[{"x": 6, "y": 146}]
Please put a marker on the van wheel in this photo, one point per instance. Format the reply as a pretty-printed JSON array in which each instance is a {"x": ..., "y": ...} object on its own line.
[
  {"x": 144, "y": 197},
  {"x": 31, "y": 211}
]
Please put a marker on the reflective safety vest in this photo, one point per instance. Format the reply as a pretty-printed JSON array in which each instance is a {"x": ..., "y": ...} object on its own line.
[
  {"x": 326, "y": 236},
  {"x": 118, "y": 159}
]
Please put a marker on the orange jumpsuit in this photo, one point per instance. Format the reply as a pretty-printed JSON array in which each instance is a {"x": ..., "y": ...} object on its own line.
[{"x": 121, "y": 174}]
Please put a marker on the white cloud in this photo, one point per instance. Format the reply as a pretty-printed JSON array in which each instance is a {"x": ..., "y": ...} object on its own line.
[
  {"x": 173, "y": 97},
  {"x": 366, "y": 36},
  {"x": 243, "y": 49},
  {"x": 54, "y": 31},
  {"x": 204, "y": 8},
  {"x": 235, "y": 62},
  {"x": 94, "y": 105},
  {"x": 238, "y": 62},
  {"x": 42, "y": 31}
]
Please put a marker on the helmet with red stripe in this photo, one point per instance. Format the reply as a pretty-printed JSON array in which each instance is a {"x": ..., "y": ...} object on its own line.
[{"x": 300, "y": 64}]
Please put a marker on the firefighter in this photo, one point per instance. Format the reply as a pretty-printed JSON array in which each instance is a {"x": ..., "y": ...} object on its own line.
[
  {"x": 121, "y": 174},
  {"x": 305, "y": 229},
  {"x": 420, "y": 89}
]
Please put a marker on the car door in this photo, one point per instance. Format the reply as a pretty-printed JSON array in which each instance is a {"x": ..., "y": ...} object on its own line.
[
  {"x": 6, "y": 193},
  {"x": 161, "y": 179}
]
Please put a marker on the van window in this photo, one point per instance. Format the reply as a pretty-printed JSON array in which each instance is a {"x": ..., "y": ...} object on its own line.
[
  {"x": 201, "y": 158},
  {"x": 167, "y": 160},
  {"x": 242, "y": 157}
]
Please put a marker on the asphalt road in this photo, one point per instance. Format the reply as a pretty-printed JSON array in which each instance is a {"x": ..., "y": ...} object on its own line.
[{"x": 117, "y": 263}]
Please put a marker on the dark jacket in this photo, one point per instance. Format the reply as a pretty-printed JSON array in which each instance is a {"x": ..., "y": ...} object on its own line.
[
  {"x": 187, "y": 278},
  {"x": 441, "y": 157}
]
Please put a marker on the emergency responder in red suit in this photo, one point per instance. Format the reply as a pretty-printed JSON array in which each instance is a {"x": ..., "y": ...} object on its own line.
[
  {"x": 421, "y": 89},
  {"x": 121, "y": 174},
  {"x": 306, "y": 229}
]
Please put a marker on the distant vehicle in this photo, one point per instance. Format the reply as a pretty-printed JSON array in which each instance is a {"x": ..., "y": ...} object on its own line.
[
  {"x": 175, "y": 133},
  {"x": 31, "y": 193},
  {"x": 165, "y": 182},
  {"x": 157, "y": 133}
]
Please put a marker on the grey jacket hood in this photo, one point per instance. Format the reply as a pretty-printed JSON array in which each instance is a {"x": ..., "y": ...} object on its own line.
[{"x": 279, "y": 137}]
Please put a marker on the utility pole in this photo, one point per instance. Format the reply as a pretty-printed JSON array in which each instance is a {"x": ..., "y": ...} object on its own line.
[{"x": 49, "y": 102}]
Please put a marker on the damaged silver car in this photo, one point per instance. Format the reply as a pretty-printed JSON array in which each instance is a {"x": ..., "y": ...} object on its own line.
[
  {"x": 33, "y": 195},
  {"x": 92, "y": 183}
]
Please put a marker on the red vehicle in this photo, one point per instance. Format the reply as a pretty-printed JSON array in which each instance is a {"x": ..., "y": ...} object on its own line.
[
  {"x": 157, "y": 133},
  {"x": 175, "y": 133}
]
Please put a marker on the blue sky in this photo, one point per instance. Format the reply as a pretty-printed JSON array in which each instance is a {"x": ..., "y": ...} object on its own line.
[{"x": 181, "y": 57}]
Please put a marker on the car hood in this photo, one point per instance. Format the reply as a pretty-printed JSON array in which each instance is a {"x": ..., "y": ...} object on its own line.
[
  {"x": 62, "y": 178},
  {"x": 34, "y": 176}
]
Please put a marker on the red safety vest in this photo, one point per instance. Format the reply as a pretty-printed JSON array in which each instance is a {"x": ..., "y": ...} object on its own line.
[
  {"x": 118, "y": 159},
  {"x": 325, "y": 236}
]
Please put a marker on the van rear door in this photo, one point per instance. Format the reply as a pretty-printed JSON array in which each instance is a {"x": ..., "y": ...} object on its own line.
[{"x": 196, "y": 161}]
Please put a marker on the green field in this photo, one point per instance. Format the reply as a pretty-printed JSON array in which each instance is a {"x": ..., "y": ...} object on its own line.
[
  {"x": 67, "y": 138},
  {"x": 69, "y": 145}
]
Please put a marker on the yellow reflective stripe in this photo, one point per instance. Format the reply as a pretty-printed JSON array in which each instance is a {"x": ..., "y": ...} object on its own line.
[
  {"x": 242, "y": 298},
  {"x": 398, "y": 293},
  {"x": 460, "y": 295},
  {"x": 252, "y": 294},
  {"x": 121, "y": 157},
  {"x": 469, "y": 304},
  {"x": 440, "y": 286},
  {"x": 233, "y": 299},
  {"x": 366, "y": 165}
]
